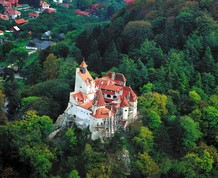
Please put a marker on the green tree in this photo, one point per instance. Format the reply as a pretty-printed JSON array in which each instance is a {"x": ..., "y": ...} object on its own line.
[
  {"x": 194, "y": 96},
  {"x": 74, "y": 174},
  {"x": 153, "y": 102},
  {"x": 144, "y": 140},
  {"x": 135, "y": 32},
  {"x": 51, "y": 67},
  {"x": 154, "y": 121},
  {"x": 135, "y": 72},
  {"x": 146, "y": 165},
  {"x": 150, "y": 54},
  {"x": 17, "y": 56},
  {"x": 57, "y": 90},
  {"x": 195, "y": 164},
  {"x": 111, "y": 57},
  {"x": 28, "y": 142},
  {"x": 191, "y": 132},
  {"x": 209, "y": 123}
]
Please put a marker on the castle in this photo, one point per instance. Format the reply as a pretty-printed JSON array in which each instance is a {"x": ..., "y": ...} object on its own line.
[{"x": 104, "y": 104}]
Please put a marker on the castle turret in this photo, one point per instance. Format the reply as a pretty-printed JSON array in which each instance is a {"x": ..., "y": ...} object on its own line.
[{"x": 84, "y": 81}]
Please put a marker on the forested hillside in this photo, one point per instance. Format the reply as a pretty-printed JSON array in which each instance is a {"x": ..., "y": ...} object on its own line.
[{"x": 168, "y": 51}]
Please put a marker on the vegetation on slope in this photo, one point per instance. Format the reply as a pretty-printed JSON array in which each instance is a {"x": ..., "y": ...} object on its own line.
[{"x": 168, "y": 52}]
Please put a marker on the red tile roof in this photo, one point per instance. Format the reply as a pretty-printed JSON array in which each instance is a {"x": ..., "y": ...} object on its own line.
[
  {"x": 103, "y": 113},
  {"x": 83, "y": 64},
  {"x": 4, "y": 17},
  {"x": 99, "y": 101},
  {"x": 49, "y": 10},
  {"x": 1, "y": 31},
  {"x": 20, "y": 21},
  {"x": 94, "y": 6},
  {"x": 12, "y": 12},
  {"x": 107, "y": 84},
  {"x": 128, "y": 92},
  {"x": 118, "y": 78},
  {"x": 124, "y": 102},
  {"x": 87, "y": 105},
  {"x": 33, "y": 14},
  {"x": 79, "y": 97},
  {"x": 79, "y": 12}
]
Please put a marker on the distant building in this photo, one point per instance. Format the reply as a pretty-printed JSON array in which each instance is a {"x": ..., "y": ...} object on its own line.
[
  {"x": 49, "y": 10},
  {"x": 84, "y": 13},
  {"x": 1, "y": 32},
  {"x": 104, "y": 105},
  {"x": 58, "y": 1},
  {"x": 44, "y": 4},
  {"x": 20, "y": 21},
  {"x": 15, "y": 29},
  {"x": 11, "y": 13},
  {"x": 33, "y": 14},
  {"x": 46, "y": 35},
  {"x": 4, "y": 17}
]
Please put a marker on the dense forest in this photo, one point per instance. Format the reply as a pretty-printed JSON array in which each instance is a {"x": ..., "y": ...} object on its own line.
[{"x": 167, "y": 50}]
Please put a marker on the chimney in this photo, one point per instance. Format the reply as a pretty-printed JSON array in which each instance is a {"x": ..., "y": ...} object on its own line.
[{"x": 113, "y": 76}]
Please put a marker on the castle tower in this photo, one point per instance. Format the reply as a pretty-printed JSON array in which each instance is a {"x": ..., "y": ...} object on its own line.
[{"x": 84, "y": 81}]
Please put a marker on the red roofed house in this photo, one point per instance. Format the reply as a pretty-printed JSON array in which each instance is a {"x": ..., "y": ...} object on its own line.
[
  {"x": 13, "y": 2},
  {"x": 84, "y": 13},
  {"x": 44, "y": 4},
  {"x": 5, "y": 3},
  {"x": 13, "y": 14},
  {"x": 94, "y": 6},
  {"x": 4, "y": 17},
  {"x": 103, "y": 105},
  {"x": 1, "y": 32},
  {"x": 33, "y": 14},
  {"x": 20, "y": 21},
  {"x": 49, "y": 10}
]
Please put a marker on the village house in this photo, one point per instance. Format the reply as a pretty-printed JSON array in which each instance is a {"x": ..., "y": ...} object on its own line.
[
  {"x": 11, "y": 13},
  {"x": 49, "y": 10},
  {"x": 4, "y": 17},
  {"x": 44, "y": 5},
  {"x": 20, "y": 21},
  {"x": 9, "y": 3},
  {"x": 103, "y": 105},
  {"x": 1, "y": 32},
  {"x": 33, "y": 14}
]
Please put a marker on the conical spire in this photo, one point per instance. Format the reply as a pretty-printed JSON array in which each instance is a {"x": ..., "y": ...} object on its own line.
[
  {"x": 83, "y": 64},
  {"x": 99, "y": 99}
]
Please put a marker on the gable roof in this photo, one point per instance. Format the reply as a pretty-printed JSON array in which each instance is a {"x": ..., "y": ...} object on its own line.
[
  {"x": 118, "y": 78},
  {"x": 99, "y": 101},
  {"x": 79, "y": 12},
  {"x": 12, "y": 12},
  {"x": 20, "y": 21},
  {"x": 103, "y": 113},
  {"x": 124, "y": 102},
  {"x": 4, "y": 17},
  {"x": 33, "y": 14}
]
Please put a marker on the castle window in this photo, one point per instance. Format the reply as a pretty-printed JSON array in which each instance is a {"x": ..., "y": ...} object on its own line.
[
  {"x": 108, "y": 95},
  {"x": 125, "y": 110},
  {"x": 114, "y": 97},
  {"x": 80, "y": 87}
]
